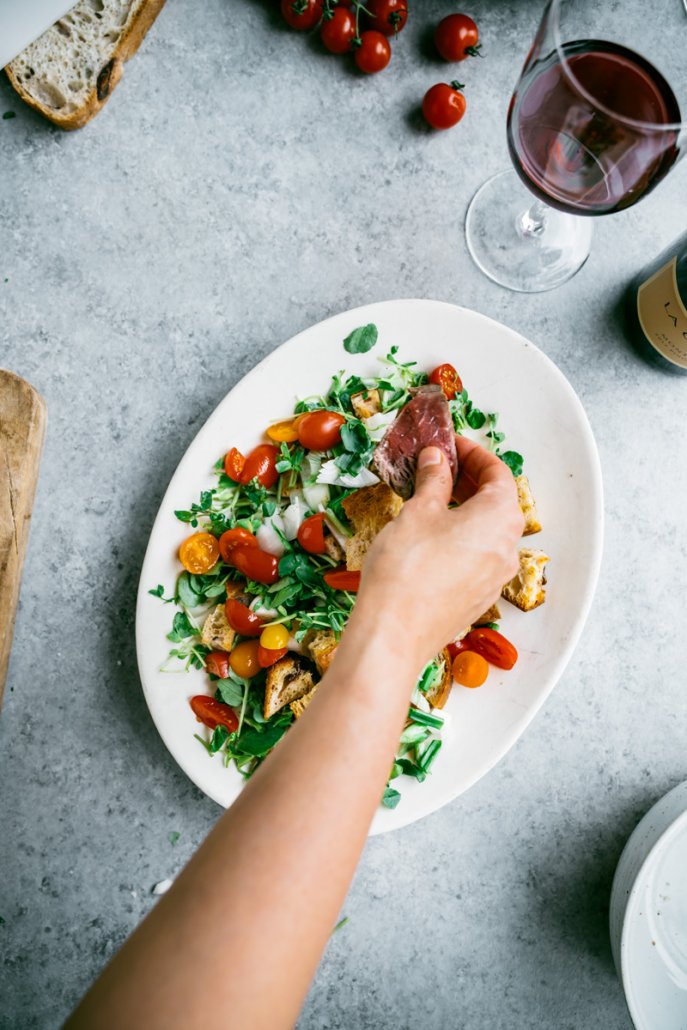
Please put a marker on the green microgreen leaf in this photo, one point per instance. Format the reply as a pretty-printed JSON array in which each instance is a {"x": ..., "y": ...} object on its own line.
[{"x": 362, "y": 339}]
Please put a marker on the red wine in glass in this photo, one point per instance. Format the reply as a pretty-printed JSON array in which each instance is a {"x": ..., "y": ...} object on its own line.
[{"x": 589, "y": 139}]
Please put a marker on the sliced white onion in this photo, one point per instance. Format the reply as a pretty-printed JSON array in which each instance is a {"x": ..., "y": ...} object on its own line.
[
  {"x": 340, "y": 538},
  {"x": 310, "y": 466},
  {"x": 331, "y": 473},
  {"x": 296, "y": 645},
  {"x": 294, "y": 515},
  {"x": 265, "y": 613},
  {"x": 378, "y": 424},
  {"x": 316, "y": 496},
  {"x": 268, "y": 537}
]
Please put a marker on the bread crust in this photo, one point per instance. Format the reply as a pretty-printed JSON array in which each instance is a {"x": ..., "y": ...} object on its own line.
[{"x": 107, "y": 78}]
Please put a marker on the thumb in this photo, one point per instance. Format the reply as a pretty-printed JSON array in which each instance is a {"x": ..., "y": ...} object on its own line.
[{"x": 433, "y": 479}]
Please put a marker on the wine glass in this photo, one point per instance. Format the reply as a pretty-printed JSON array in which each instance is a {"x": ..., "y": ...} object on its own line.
[{"x": 592, "y": 127}]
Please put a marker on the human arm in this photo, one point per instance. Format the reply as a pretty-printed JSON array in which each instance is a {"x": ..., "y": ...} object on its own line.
[{"x": 243, "y": 927}]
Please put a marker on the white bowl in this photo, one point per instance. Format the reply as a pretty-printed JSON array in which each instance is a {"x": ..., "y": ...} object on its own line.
[{"x": 648, "y": 916}]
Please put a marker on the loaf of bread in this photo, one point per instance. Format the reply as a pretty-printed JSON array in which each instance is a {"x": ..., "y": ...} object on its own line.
[{"x": 71, "y": 70}]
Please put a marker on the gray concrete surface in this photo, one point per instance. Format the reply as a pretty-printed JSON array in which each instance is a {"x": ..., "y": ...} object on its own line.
[{"x": 240, "y": 186}]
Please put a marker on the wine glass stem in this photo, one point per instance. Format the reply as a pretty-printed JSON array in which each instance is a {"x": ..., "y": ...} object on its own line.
[{"x": 532, "y": 222}]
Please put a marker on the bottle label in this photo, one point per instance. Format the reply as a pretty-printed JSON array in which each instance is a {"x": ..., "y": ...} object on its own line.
[{"x": 662, "y": 315}]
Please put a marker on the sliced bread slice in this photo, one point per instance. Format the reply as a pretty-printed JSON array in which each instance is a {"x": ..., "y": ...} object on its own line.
[{"x": 69, "y": 72}]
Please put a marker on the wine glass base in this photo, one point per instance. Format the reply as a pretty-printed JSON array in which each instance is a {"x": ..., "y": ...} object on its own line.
[{"x": 513, "y": 250}]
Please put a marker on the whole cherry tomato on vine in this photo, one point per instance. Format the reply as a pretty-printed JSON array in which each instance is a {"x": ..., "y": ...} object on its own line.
[
  {"x": 338, "y": 32},
  {"x": 387, "y": 16},
  {"x": 374, "y": 53},
  {"x": 302, "y": 14}
]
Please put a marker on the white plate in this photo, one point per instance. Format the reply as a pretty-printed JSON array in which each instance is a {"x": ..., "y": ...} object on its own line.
[
  {"x": 543, "y": 419},
  {"x": 648, "y": 916}
]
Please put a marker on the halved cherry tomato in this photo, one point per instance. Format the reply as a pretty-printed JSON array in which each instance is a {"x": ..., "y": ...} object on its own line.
[
  {"x": 320, "y": 430},
  {"x": 283, "y": 432},
  {"x": 229, "y": 540},
  {"x": 342, "y": 579},
  {"x": 470, "y": 669},
  {"x": 233, "y": 464},
  {"x": 455, "y": 647},
  {"x": 255, "y": 564},
  {"x": 311, "y": 534},
  {"x": 448, "y": 379},
  {"x": 274, "y": 637},
  {"x": 493, "y": 646},
  {"x": 244, "y": 659},
  {"x": 242, "y": 619},
  {"x": 261, "y": 465},
  {"x": 199, "y": 553},
  {"x": 267, "y": 657},
  {"x": 214, "y": 713},
  {"x": 217, "y": 664}
]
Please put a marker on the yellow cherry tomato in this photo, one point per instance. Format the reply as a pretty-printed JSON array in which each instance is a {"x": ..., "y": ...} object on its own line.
[
  {"x": 199, "y": 553},
  {"x": 273, "y": 638},
  {"x": 470, "y": 669},
  {"x": 244, "y": 659},
  {"x": 283, "y": 432}
]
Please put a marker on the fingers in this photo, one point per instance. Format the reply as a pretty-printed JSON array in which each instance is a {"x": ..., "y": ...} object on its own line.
[
  {"x": 485, "y": 480},
  {"x": 480, "y": 466},
  {"x": 433, "y": 479}
]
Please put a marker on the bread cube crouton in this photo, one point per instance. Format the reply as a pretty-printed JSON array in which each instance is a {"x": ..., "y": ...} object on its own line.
[
  {"x": 527, "y": 506},
  {"x": 322, "y": 647},
  {"x": 368, "y": 510},
  {"x": 217, "y": 633},
  {"x": 299, "y": 706},
  {"x": 287, "y": 680},
  {"x": 367, "y": 403},
  {"x": 492, "y": 614},
  {"x": 333, "y": 548},
  {"x": 438, "y": 695},
  {"x": 526, "y": 589}
]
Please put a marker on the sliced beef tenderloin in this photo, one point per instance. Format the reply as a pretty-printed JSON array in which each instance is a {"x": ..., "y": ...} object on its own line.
[{"x": 425, "y": 421}]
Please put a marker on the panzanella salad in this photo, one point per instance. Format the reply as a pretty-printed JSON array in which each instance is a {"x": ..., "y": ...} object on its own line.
[{"x": 272, "y": 564}]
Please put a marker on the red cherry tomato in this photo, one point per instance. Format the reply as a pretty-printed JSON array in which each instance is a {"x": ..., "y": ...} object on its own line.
[
  {"x": 387, "y": 16},
  {"x": 342, "y": 579},
  {"x": 217, "y": 664},
  {"x": 242, "y": 619},
  {"x": 244, "y": 659},
  {"x": 233, "y": 464},
  {"x": 493, "y": 646},
  {"x": 455, "y": 647},
  {"x": 232, "y": 537},
  {"x": 267, "y": 657},
  {"x": 311, "y": 534},
  {"x": 338, "y": 32},
  {"x": 374, "y": 52},
  {"x": 444, "y": 105},
  {"x": 261, "y": 465},
  {"x": 301, "y": 14},
  {"x": 457, "y": 37},
  {"x": 320, "y": 430},
  {"x": 448, "y": 379},
  {"x": 255, "y": 564},
  {"x": 214, "y": 713}
]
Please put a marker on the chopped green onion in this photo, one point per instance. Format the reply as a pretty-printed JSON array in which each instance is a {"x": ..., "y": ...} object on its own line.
[
  {"x": 429, "y": 754},
  {"x": 425, "y": 719},
  {"x": 414, "y": 734}
]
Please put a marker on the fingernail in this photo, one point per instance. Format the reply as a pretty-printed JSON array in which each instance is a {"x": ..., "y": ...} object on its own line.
[{"x": 430, "y": 456}]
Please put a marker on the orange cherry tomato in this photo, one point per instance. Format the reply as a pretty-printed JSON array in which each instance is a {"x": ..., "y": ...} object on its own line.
[
  {"x": 342, "y": 579},
  {"x": 255, "y": 564},
  {"x": 214, "y": 713},
  {"x": 320, "y": 430},
  {"x": 199, "y": 553},
  {"x": 470, "y": 669},
  {"x": 217, "y": 664},
  {"x": 232, "y": 537},
  {"x": 261, "y": 465},
  {"x": 244, "y": 659},
  {"x": 267, "y": 657},
  {"x": 311, "y": 534},
  {"x": 242, "y": 619},
  {"x": 448, "y": 379},
  {"x": 493, "y": 646},
  {"x": 233, "y": 464},
  {"x": 283, "y": 432}
]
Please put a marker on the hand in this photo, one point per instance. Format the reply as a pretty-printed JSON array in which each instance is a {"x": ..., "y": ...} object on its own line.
[{"x": 432, "y": 571}]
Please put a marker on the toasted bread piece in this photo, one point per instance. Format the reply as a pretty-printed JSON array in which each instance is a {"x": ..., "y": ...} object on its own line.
[
  {"x": 438, "y": 695},
  {"x": 217, "y": 633},
  {"x": 322, "y": 647},
  {"x": 526, "y": 590},
  {"x": 492, "y": 614},
  {"x": 288, "y": 680},
  {"x": 527, "y": 506},
  {"x": 299, "y": 706},
  {"x": 368, "y": 510},
  {"x": 366, "y": 404},
  {"x": 333, "y": 548},
  {"x": 69, "y": 72},
  {"x": 236, "y": 589}
]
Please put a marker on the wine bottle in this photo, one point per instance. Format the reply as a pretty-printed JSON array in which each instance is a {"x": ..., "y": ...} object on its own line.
[{"x": 656, "y": 309}]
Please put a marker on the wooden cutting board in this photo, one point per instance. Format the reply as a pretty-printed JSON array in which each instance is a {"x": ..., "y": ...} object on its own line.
[{"x": 22, "y": 429}]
